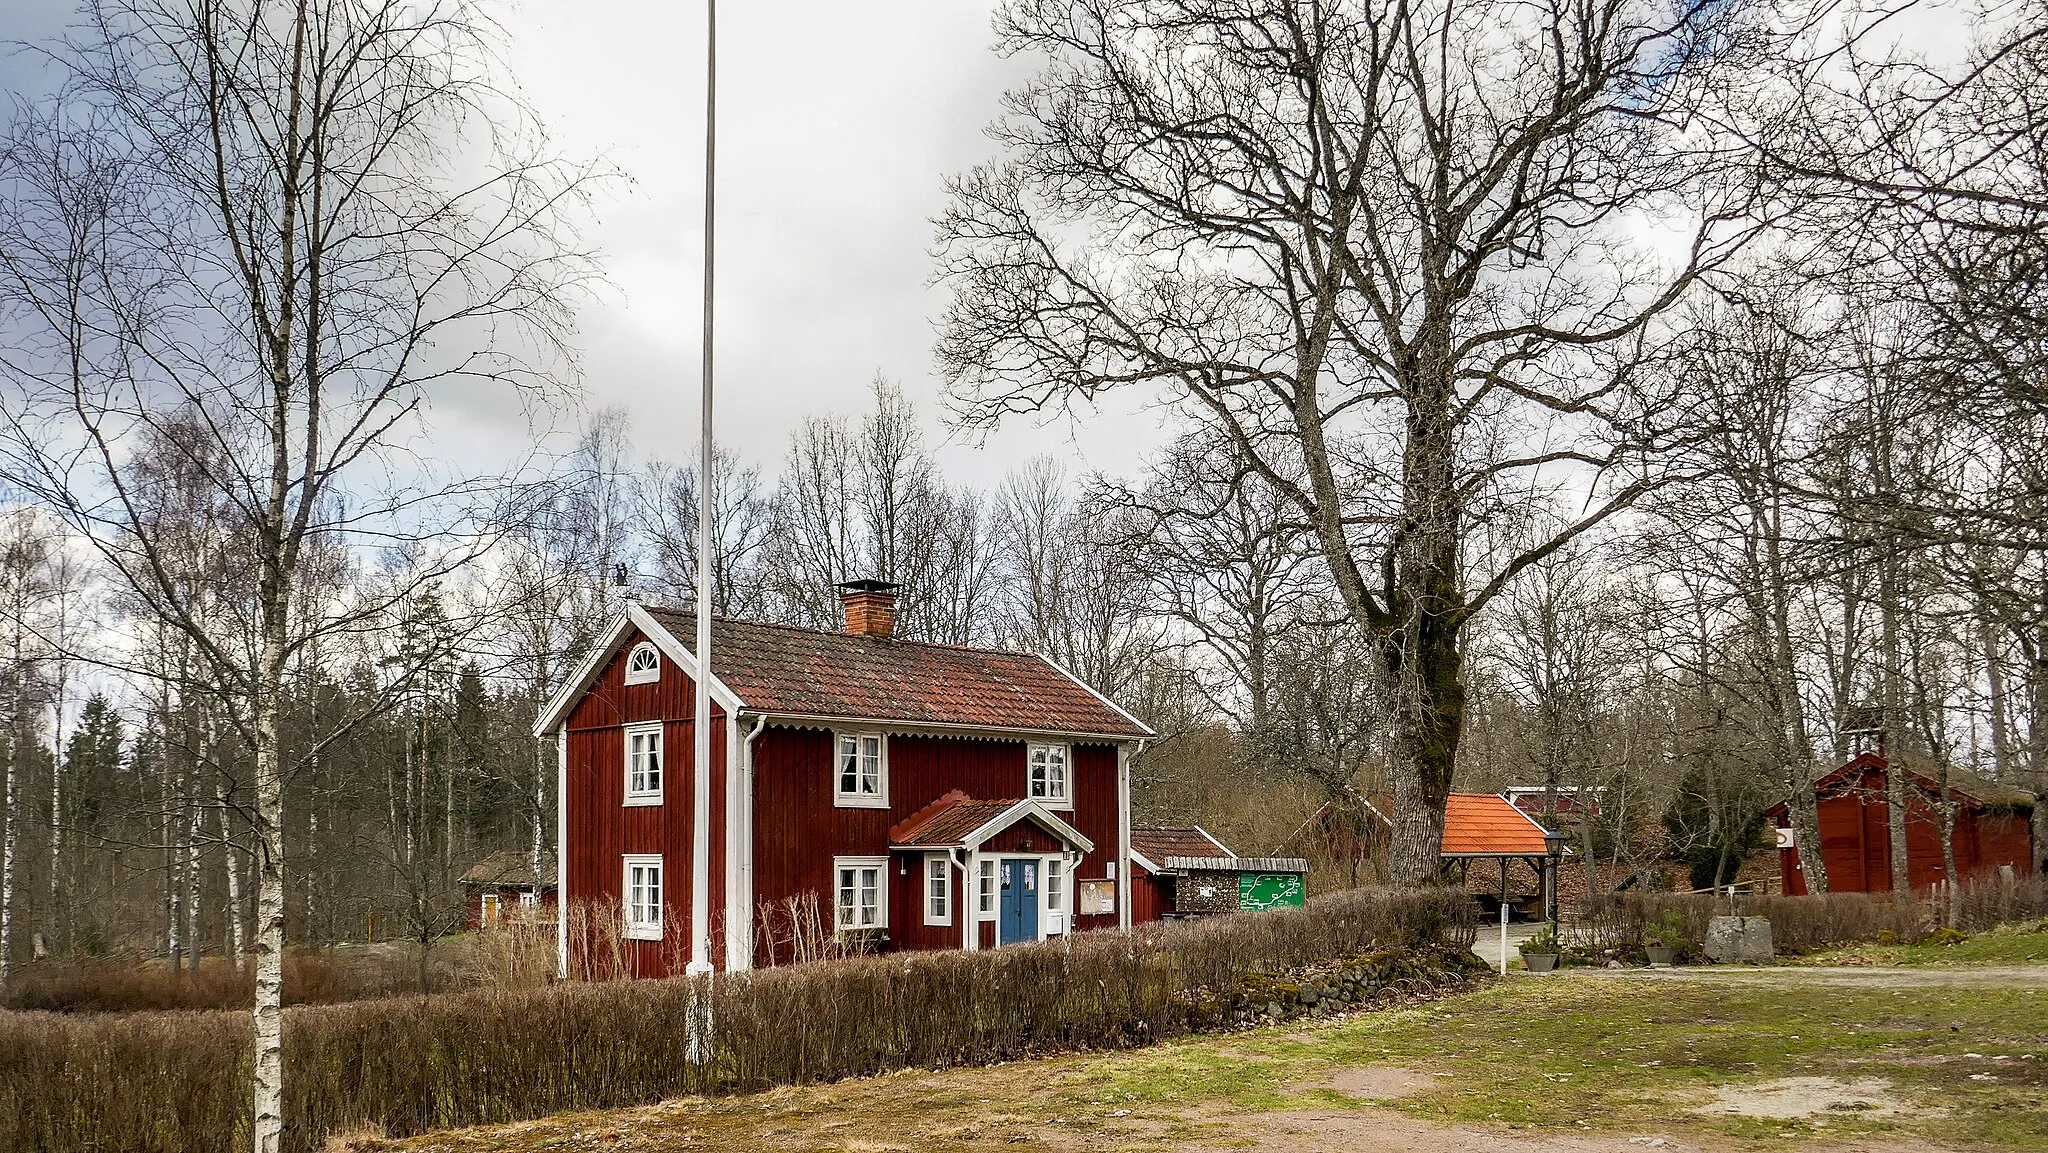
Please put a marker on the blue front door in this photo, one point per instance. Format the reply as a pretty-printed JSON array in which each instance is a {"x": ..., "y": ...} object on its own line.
[{"x": 1018, "y": 917}]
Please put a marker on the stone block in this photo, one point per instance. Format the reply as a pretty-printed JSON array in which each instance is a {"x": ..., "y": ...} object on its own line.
[{"x": 1739, "y": 941}]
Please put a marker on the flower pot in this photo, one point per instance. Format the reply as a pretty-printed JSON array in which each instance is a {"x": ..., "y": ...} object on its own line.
[
  {"x": 1662, "y": 956},
  {"x": 1539, "y": 962}
]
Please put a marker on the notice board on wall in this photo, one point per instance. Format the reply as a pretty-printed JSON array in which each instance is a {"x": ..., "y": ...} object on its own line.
[{"x": 1098, "y": 898}]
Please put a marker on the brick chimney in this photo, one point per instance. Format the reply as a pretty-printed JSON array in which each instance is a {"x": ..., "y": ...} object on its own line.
[{"x": 870, "y": 607}]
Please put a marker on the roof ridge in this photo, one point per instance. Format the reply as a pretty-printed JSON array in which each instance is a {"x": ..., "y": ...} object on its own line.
[{"x": 787, "y": 627}]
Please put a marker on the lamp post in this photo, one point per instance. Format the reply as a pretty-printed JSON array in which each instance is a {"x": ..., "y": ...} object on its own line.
[{"x": 1553, "y": 849}]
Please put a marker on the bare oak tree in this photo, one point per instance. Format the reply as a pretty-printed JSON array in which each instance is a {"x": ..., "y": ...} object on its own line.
[{"x": 1380, "y": 248}]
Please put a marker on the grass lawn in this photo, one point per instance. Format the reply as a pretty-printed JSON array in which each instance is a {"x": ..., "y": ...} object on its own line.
[
  {"x": 1963, "y": 1064},
  {"x": 2021, "y": 944}
]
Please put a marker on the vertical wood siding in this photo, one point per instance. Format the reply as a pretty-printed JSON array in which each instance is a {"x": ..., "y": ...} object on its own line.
[
  {"x": 1855, "y": 839},
  {"x": 798, "y": 830},
  {"x": 602, "y": 829}
]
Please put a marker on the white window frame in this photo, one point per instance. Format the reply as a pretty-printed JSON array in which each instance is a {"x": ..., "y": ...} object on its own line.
[
  {"x": 1058, "y": 877},
  {"x": 647, "y": 796},
  {"x": 636, "y": 927},
  {"x": 1064, "y": 799},
  {"x": 646, "y": 675},
  {"x": 860, "y": 800},
  {"x": 986, "y": 888},
  {"x": 881, "y": 867},
  {"x": 938, "y": 867}
]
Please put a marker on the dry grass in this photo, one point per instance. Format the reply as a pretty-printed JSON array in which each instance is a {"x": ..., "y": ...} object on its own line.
[
  {"x": 175, "y": 1082},
  {"x": 518, "y": 955}
]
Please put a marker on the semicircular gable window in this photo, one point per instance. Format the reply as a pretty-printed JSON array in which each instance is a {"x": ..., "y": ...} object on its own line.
[{"x": 643, "y": 664}]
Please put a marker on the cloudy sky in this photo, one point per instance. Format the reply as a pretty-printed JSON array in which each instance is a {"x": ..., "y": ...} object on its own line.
[{"x": 837, "y": 125}]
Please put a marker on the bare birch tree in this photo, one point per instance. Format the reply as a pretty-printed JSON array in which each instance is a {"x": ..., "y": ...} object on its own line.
[{"x": 293, "y": 224}]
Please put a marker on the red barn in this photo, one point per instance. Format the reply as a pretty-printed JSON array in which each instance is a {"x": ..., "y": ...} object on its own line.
[
  {"x": 1992, "y": 828},
  {"x": 865, "y": 790}
]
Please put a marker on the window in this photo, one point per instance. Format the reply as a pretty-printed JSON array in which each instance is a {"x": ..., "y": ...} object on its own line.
[
  {"x": 643, "y": 764},
  {"x": 643, "y": 664},
  {"x": 529, "y": 900},
  {"x": 862, "y": 781},
  {"x": 643, "y": 898},
  {"x": 862, "y": 903},
  {"x": 1049, "y": 775},
  {"x": 985, "y": 888},
  {"x": 938, "y": 889},
  {"x": 1055, "y": 877}
]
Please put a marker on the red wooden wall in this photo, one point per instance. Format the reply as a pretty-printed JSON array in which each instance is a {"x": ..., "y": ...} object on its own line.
[
  {"x": 1149, "y": 899},
  {"x": 798, "y": 830},
  {"x": 602, "y": 829},
  {"x": 1855, "y": 839},
  {"x": 508, "y": 903}
]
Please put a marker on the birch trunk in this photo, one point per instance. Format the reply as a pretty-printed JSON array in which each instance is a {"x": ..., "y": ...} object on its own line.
[
  {"x": 268, "y": 1063},
  {"x": 232, "y": 875},
  {"x": 8, "y": 823}
]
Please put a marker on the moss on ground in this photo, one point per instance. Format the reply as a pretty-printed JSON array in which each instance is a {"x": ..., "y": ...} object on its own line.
[{"x": 2020, "y": 944}]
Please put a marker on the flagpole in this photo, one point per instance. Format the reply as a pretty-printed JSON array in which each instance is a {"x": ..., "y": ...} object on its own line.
[{"x": 700, "y": 819}]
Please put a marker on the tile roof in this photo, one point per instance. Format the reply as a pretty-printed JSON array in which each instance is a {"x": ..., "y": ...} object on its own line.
[
  {"x": 947, "y": 822},
  {"x": 511, "y": 869},
  {"x": 1486, "y": 824},
  {"x": 810, "y": 672},
  {"x": 1163, "y": 841}
]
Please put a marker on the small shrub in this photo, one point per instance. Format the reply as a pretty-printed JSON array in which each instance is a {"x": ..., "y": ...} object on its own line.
[
  {"x": 1540, "y": 942},
  {"x": 1668, "y": 931}
]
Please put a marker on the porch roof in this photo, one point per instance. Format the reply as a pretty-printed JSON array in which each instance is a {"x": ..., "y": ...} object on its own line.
[{"x": 958, "y": 821}]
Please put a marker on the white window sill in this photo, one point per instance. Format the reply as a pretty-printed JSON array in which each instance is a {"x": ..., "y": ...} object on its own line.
[
  {"x": 637, "y": 800},
  {"x": 843, "y": 801},
  {"x": 643, "y": 933},
  {"x": 643, "y": 678},
  {"x": 1056, "y": 804}
]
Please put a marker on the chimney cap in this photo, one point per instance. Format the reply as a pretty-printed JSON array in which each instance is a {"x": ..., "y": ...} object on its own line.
[{"x": 868, "y": 586}]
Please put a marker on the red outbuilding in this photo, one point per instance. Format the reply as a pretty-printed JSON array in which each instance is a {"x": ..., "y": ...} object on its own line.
[
  {"x": 1991, "y": 827},
  {"x": 866, "y": 791},
  {"x": 504, "y": 885}
]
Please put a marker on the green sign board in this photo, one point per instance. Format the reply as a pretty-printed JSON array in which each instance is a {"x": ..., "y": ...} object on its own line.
[{"x": 1269, "y": 891}]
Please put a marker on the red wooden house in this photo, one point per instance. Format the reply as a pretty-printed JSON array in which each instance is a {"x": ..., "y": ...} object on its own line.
[
  {"x": 916, "y": 796},
  {"x": 1991, "y": 830}
]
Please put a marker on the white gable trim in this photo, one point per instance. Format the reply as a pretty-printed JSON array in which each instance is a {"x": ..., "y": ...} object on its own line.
[
  {"x": 1211, "y": 838},
  {"x": 1146, "y": 861},
  {"x": 1019, "y": 811},
  {"x": 557, "y": 711},
  {"x": 1061, "y": 670}
]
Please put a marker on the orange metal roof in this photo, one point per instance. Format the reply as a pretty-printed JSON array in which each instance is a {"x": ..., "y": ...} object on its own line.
[{"x": 1485, "y": 824}]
